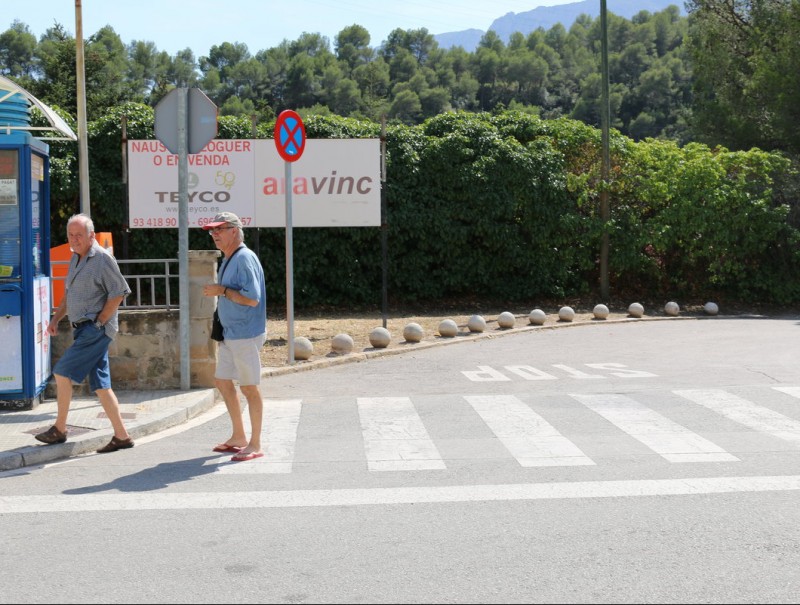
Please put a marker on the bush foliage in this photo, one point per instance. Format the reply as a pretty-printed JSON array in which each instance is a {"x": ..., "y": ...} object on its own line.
[{"x": 499, "y": 206}]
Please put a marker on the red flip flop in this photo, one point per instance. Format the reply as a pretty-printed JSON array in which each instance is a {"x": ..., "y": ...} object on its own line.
[
  {"x": 241, "y": 457},
  {"x": 226, "y": 449}
]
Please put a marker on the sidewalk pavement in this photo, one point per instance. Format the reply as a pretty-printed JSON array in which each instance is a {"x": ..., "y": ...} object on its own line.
[{"x": 144, "y": 413}]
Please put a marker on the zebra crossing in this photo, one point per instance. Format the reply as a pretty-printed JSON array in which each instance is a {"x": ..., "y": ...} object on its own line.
[{"x": 396, "y": 437}]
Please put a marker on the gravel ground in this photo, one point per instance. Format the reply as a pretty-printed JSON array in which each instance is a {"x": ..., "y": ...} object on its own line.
[{"x": 321, "y": 327}]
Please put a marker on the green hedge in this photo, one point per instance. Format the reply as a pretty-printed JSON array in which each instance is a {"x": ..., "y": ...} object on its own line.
[{"x": 502, "y": 207}]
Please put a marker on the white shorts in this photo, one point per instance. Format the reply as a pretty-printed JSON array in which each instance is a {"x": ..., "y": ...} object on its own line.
[{"x": 240, "y": 360}]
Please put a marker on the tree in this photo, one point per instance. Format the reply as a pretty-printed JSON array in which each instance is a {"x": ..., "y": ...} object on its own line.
[
  {"x": 17, "y": 45},
  {"x": 746, "y": 81},
  {"x": 143, "y": 66},
  {"x": 106, "y": 66},
  {"x": 351, "y": 46},
  {"x": 179, "y": 71},
  {"x": 373, "y": 79},
  {"x": 406, "y": 106},
  {"x": 487, "y": 64},
  {"x": 56, "y": 84},
  {"x": 528, "y": 73},
  {"x": 418, "y": 42},
  {"x": 549, "y": 70}
]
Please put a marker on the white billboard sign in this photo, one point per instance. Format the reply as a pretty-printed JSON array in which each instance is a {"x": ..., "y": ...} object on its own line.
[{"x": 335, "y": 184}]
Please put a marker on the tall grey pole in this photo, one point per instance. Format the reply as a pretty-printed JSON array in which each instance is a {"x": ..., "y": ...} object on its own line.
[
  {"x": 605, "y": 118},
  {"x": 289, "y": 263},
  {"x": 126, "y": 224},
  {"x": 384, "y": 230},
  {"x": 83, "y": 144},
  {"x": 256, "y": 239},
  {"x": 183, "y": 233}
]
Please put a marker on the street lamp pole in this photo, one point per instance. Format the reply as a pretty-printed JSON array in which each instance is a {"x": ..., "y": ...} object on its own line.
[
  {"x": 83, "y": 145},
  {"x": 605, "y": 118}
]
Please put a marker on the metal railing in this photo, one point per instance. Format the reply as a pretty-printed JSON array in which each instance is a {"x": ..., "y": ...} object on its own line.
[{"x": 153, "y": 282}]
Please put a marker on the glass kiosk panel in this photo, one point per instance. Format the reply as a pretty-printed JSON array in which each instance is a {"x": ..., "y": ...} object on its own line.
[
  {"x": 10, "y": 274},
  {"x": 25, "y": 290},
  {"x": 10, "y": 232}
]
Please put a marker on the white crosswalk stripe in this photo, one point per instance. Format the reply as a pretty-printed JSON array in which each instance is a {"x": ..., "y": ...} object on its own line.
[
  {"x": 395, "y": 439},
  {"x": 793, "y": 391},
  {"x": 662, "y": 435},
  {"x": 527, "y": 436},
  {"x": 745, "y": 412},
  {"x": 279, "y": 436}
]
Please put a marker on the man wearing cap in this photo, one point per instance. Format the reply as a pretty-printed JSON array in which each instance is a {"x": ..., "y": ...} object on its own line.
[
  {"x": 95, "y": 288},
  {"x": 242, "y": 307}
]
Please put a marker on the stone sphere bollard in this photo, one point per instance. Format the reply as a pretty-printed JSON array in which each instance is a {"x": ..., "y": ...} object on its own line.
[
  {"x": 506, "y": 320},
  {"x": 566, "y": 314},
  {"x": 342, "y": 344},
  {"x": 303, "y": 348},
  {"x": 672, "y": 308},
  {"x": 711, "y": 308},
  {"x": 537, "y": 317},
  {"x": 448, "y": 328},
  {"x": 476, "y": 323},
  {"x": 380, "y": 338},
  {"x": 635, "y": 310},
  {"x": 413, "y": 332},
  {"x": 600, "y": 311}
]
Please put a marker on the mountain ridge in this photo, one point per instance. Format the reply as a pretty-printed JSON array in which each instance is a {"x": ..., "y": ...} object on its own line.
[{"x": 548, "y": 16}]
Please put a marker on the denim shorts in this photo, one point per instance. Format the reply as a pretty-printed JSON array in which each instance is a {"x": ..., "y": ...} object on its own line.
[{"x": 88, "y": 354}]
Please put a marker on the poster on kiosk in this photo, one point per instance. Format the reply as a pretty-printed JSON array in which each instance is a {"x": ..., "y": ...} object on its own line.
[{"x": 24, "y": 270}]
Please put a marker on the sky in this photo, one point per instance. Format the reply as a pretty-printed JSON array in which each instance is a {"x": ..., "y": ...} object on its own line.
[{"x": 174, "y": 25}]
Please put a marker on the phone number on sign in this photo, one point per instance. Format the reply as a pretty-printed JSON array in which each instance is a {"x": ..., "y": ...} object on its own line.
[
  {"x": 155, "y": 222},
  {"x": 204, "y": 220}
]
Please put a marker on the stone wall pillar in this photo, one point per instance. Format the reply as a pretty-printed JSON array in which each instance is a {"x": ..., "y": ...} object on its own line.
[{"x": 202, "y": 350}]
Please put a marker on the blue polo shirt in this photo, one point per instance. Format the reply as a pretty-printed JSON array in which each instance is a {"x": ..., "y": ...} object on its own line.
[{"x": 244, "y": 274}]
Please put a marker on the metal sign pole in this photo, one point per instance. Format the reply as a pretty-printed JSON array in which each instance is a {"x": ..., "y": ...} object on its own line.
[
  {"x": 289, "y": 263},
  {"x": 384, "y": 230},
  {"x": 185, "y": 122},
  {"x": 290, "y": 140},
  {"x": 183, "y": 233}
]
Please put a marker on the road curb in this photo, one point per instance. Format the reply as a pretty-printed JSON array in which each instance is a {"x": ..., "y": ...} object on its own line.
[
  {"x": 32, "y": 455},
  {"x": 332, "y": 359}
]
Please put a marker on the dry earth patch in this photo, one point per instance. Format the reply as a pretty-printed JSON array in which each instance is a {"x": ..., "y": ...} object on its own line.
[{"x": 322, "y": 326}]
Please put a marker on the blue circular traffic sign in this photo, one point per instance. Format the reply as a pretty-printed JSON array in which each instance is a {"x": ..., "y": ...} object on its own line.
[{"x": 290, "y": 135}]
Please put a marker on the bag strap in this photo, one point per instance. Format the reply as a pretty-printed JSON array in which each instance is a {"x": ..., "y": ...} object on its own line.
[{"x": 227, "y": 261}]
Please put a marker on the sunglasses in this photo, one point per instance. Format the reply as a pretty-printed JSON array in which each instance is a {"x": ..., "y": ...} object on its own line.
[{"x": 218, "y": 229}]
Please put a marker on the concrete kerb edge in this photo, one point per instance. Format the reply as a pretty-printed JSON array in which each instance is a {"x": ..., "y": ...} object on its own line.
[
  {"x": 333, "y": 359},
  {"x": 33, "y": 455}
]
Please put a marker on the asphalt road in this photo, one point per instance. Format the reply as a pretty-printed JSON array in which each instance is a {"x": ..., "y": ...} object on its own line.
[{"x": 648, "y": 462}]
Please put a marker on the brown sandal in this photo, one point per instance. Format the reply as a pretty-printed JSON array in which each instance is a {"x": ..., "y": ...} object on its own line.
[
  {"x": 51, "y": 436},
  {"x": 116, "y": 444}
]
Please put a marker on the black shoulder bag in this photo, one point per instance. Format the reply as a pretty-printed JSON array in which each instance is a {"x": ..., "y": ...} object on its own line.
[{"x": 216, "y": 326}]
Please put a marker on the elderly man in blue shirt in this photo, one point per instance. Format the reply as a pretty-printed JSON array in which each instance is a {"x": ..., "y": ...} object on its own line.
[{"x": 242, "y": 307}]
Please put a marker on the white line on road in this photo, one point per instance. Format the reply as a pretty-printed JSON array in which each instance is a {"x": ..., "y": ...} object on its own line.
[
  {"x": 530, "y": 438},
  {"x": 395, "y": 439},
  {"x": 662, "y": 435},
  {"x": 278, "y": 436},
  {"x": 392, "y": 496},
  {"x": 793, "y": 391},
  {"x": 745, "y": 412}
]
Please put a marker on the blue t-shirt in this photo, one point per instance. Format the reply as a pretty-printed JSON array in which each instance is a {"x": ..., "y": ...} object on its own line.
[{"x": 244, "y": 274}]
